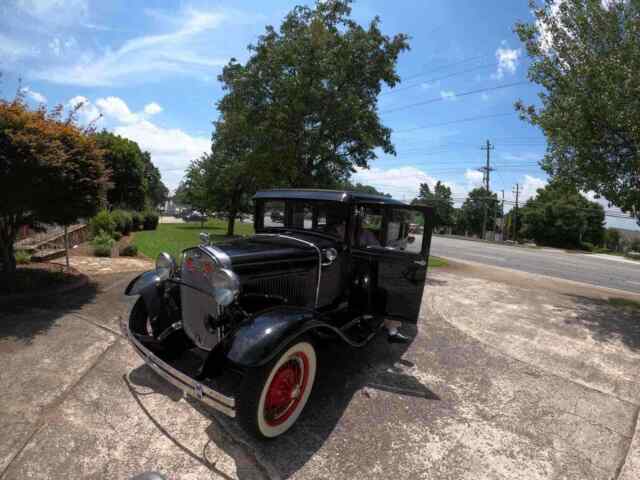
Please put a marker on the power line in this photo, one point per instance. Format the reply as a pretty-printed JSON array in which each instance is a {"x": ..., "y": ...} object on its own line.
[
  {"x": 452, "y": 122},
  {"x": 444, "y": 67},
  {"x": 463, "y": 94},
  {"x": 436, "y": 79}
]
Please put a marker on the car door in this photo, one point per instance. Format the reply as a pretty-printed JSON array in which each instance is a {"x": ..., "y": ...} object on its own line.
[{"x": 393, "y": 242}]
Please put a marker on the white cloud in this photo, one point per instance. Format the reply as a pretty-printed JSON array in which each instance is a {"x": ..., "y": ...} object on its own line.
[
  {"x": 33, "y": 95},
  {"x": 474, "y": 178},
  {"x": 448, "y": 95},
  {"x": 508, "y": 59},
  {"x": 12, "y": 50},
  {"x": 58, "y": 12},
  {"x": 530, "y": 187},
  {"x": 152, "y": 108},
  {"x": 402, "y": 182},
  {"x": 87, "y": 112},
  {"x": 171, "y": 149},
  {"x": 177, "y": 51},
  {"x": 117, "y": 109}
]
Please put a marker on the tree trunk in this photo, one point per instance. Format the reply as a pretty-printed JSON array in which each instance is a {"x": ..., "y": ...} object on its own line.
[
  {"x": 231, "y": 223},
  {"x": 66, "y": 245},
  {"x": 7, "y": 279}
]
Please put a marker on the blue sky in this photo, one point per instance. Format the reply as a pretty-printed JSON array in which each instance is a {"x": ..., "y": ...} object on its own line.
[{"x": 150, "y": 69}]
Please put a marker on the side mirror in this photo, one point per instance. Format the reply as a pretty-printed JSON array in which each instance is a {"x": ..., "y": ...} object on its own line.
[{"x": 204, "y": 238}]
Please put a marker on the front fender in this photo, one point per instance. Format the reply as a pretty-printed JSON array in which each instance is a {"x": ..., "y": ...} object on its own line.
[
  {"x": 262, "y": 337},
  {"x": 148, "y": 286}
]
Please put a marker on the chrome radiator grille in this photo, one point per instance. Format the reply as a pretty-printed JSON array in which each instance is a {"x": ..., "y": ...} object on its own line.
[{"x": 297, "y": 289}]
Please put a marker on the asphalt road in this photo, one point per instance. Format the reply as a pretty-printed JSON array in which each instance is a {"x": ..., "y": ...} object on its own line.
[{"x": 600, "y": 270}]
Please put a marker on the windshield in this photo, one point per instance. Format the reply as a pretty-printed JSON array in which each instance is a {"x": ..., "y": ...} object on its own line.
[{"x": 328, "y": 218}]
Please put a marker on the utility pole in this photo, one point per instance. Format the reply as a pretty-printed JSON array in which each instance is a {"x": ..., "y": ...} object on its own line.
[
  {"x": 515, "y": 214},
  {"x": 502, "y": 218},
  {"x": 486, "y": 170}
]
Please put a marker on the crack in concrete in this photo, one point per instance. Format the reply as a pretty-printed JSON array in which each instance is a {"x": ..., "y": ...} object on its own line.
[
  {"x": 625, "y": 457},
  {"x": 501, "y": 352},
  {"x": 48, "y": 411}
]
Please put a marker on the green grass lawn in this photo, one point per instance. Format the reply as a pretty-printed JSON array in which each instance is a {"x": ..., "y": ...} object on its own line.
[
  {"x": 175, "y": 237},
  {"x": 435, "y": 262},
  {"x": 625, "y": 303}
]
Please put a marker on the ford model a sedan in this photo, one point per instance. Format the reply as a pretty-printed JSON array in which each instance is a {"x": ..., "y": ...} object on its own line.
[{"x": 236, "y": 324}]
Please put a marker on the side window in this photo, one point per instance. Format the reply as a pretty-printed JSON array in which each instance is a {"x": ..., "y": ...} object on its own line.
[
  {"x": 370, "y": 233},
  {"x": 273, "y": 214},
  {"x": 405, "y": 229},
  {"x": 332, "y": 220},
  {"x": 301, "y": 215}
]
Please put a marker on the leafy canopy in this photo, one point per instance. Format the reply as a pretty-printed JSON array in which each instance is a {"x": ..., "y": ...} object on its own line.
[
  {"x": 472, "y": 213},
  {"x": 441, "y": 201},
  {"x": 308, "y": 96},
  {"x": 586, "y": 56},
  {"x": 560, "y": 216},
  {"x": 51, "y": 170}
]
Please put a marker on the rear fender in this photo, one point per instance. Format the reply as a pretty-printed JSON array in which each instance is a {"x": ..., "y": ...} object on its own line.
[
  {"x": 148, "y": 286},
  {"x": 259, "y": 339}
]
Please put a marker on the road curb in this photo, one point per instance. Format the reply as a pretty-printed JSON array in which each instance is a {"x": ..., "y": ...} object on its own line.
[{"x": 605, "y": 290}]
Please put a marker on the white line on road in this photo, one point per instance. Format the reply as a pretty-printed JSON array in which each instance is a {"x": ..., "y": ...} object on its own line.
[{"x": 491, "y": 257}]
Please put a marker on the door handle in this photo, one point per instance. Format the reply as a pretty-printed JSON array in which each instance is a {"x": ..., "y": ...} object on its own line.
[{"x": 422, "y": 263}]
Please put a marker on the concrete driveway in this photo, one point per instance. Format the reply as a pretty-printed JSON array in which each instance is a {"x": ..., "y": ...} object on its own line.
[{"x": 502, "y": 382}]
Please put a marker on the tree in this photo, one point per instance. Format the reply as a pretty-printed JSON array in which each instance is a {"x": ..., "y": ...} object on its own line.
[
  {"x": 586, "y": 56},
  {"x": 472, "y": 212},
  {"x": 560, "y": 216},
  {"x": 51, "y": 170},
  {"x": 195, "y": 190},
  {"x": 612, "y": 239},
  {"x": 309, "y": 95},
  {"x": 126, "y": 162},
  {"x": 156, "y": 192},
  {"x": 441, "y": 201}
]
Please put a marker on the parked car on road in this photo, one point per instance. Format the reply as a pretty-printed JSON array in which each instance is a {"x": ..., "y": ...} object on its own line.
[{"x": 236, "y": 325}]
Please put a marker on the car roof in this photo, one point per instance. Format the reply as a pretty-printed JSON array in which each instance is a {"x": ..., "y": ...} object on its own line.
[{"x": 344, "y": 196}]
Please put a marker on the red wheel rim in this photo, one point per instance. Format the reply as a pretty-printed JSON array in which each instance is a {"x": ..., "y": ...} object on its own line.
[{"x": 286, "y": 389}]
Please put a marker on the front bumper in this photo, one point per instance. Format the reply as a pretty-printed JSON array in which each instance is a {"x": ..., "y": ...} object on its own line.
[{"x": 188, "y": 385}]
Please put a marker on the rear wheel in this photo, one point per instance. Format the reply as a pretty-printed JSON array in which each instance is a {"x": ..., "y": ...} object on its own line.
[{"x": 271, "y": 398}]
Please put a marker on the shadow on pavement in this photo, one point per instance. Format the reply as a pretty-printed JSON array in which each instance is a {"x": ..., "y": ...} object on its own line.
[
  {"x": 343, "y": 372},
  {"x": 607, "y": 322},
  {"x": 26, "y": 319}
]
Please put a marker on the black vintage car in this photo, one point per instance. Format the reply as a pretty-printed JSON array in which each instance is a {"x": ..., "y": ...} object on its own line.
[{"x": 236, "y": 324}]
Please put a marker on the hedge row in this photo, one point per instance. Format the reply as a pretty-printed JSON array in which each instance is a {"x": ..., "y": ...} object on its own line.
[{"x": 123, "y": 222}]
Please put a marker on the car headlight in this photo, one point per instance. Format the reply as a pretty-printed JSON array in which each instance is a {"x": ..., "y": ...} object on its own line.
[
  {"x": 226, "y": 286},
  {"x": 165, "y": 265},
  {"x": 331, "y": 254}
]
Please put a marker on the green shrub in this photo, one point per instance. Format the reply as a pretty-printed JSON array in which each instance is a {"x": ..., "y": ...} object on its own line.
[
  {"x": 117, "y": 236},
  {"x": 123, "y": 221},
  {"x": 588, "y": 246},
  {"x": 22, "y": 257},
  {"x": 102, "y": 250},
  {"x": 102, "y": 222},
  {"x": 129, "y": 251},
  {"x": 634, "y": 246},
  {"x": 151, "y": 219},
  {"x": 137, "y": 221},
  {"x": 612, "y": 239},
  {"x": 102, "y": 244}
]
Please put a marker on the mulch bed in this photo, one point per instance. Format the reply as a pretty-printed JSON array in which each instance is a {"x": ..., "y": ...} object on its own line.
[{"x": 43, "y": 279}]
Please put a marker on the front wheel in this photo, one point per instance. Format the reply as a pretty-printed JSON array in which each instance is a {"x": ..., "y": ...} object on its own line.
[{"x": 271, "y": 398}]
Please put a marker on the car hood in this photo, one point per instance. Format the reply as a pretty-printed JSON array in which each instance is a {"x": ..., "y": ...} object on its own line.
[{"x": 259, "y": 248}]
